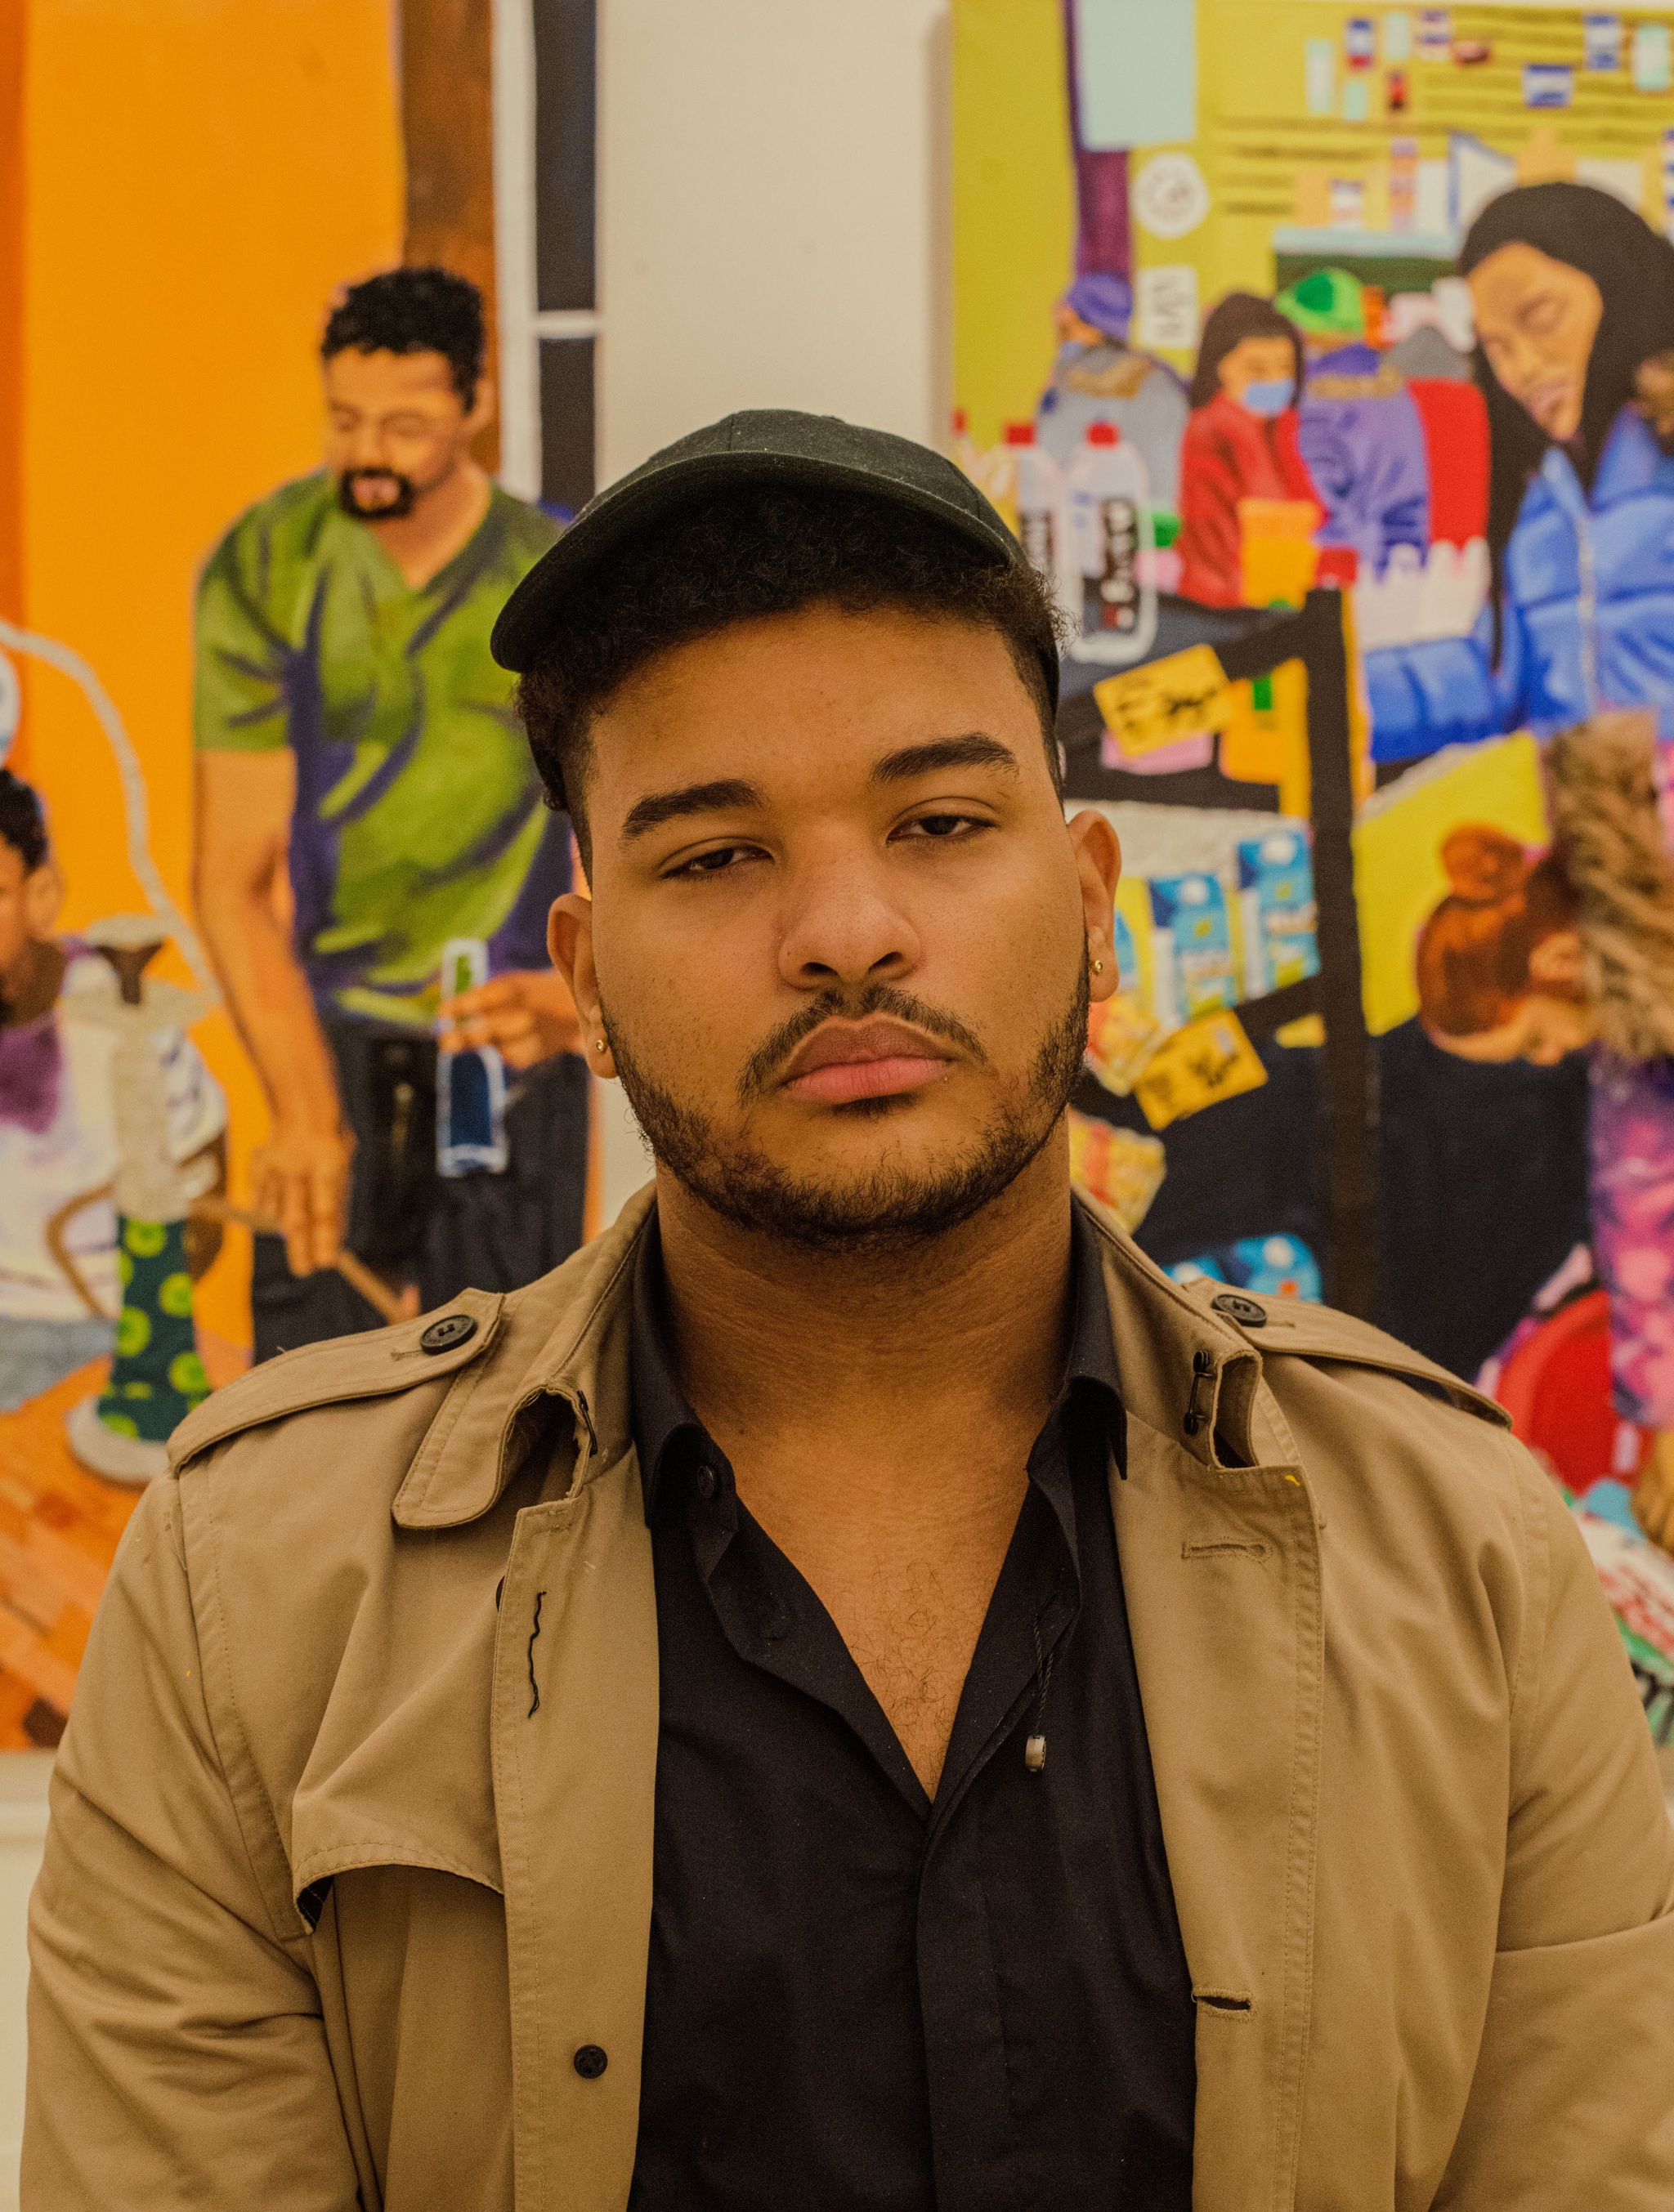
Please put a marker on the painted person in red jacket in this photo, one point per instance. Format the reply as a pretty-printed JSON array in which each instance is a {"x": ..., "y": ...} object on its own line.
[{"x": 1240, "y": 442}]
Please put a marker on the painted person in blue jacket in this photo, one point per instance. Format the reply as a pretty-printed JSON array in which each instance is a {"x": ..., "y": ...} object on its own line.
[
  {"x": 1573, "y": 299},
  {"x": 1573, "y": 295}
]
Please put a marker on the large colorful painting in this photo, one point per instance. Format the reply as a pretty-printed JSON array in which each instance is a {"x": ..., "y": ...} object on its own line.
[
  {"x": 1325, "y": 358},
  {"x": 280, "y": 1052}
]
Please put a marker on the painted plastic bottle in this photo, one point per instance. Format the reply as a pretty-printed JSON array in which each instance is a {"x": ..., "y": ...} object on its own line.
[
  {"x": 1110, "y": 517},
  {"x": 471, "y": 1085},
  {"x": 1043, "y": 516}
]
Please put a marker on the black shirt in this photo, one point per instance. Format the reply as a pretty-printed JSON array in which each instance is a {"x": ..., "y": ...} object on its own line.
[{"x": 859, "y": 1999}]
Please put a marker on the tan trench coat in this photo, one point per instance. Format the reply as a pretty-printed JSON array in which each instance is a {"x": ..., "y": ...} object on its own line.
[{"x": 351, "y": 1846}]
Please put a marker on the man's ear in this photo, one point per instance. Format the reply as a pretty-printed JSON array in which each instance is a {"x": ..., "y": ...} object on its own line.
[
  {"x": 1099, "y": 865},
  {"x": 43, "y": 897},
  {"x": 570, "y": 941},
  {"x": 481, "y": 411}
]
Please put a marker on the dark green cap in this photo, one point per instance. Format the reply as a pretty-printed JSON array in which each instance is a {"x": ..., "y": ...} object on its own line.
[{"x": 768, "y": 446}]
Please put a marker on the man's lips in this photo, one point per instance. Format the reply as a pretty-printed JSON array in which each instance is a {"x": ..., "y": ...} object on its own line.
[{"x": 843, "y": 1061}]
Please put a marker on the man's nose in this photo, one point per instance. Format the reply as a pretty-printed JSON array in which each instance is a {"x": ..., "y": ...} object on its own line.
[
  {"x": 845, "y": 927},
  {"x": 367, "y": 449}
]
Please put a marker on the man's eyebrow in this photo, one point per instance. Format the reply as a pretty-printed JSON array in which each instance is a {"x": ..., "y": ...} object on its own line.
[
  {"x": 972, "y": 750},
  {"x": 694, "y": 798}
]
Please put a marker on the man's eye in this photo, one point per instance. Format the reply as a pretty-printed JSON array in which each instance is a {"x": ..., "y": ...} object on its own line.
[
  {"x": 940, "y": 826},
  {"x": 714, "y": 863}
]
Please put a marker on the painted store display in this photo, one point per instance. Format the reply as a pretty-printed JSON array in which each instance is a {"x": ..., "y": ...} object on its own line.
[{"x": 1381, "y": 302}]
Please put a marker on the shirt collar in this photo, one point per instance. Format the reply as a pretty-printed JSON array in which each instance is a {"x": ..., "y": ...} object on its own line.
[{"x": 662, "y": 1415}]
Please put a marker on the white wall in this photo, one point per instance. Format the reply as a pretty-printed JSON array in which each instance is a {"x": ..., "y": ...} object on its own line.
[
  {"x": 770, "y": 215},
  {"x": 772, "y": 205}
]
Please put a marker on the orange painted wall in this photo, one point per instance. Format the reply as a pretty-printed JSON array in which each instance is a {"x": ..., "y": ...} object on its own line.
[{"x": 200, "y": 175}]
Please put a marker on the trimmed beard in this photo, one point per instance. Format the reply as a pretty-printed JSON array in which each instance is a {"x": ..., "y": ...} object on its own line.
[
  {"x": 890, "y": 1210},
  {"x": 406, "y": 491}
]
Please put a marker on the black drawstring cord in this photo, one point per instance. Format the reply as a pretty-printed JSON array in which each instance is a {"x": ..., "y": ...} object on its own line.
[{"x": 1034, "y": 1751}]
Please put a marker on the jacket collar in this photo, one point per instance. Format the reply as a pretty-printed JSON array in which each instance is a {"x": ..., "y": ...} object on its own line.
[
  {"x": 1631, "y": 462},
  {"x": 662, "y": 1416},
  {"x": 565, "y": 1343}
]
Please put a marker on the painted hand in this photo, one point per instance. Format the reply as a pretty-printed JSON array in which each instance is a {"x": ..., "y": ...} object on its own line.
[
  {"x": 527, "y": 1015},
  {"x": 300, "y": 1179}
]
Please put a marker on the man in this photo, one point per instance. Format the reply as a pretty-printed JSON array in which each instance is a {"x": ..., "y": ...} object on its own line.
[
  {"x": 364, "y": 796},
  {"x": 1098, "y": 377},
  {"x": 857, "y": 1689}
]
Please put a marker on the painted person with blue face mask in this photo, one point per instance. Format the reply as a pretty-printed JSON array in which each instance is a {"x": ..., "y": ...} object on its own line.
[{"x": 1240, "y": 442}]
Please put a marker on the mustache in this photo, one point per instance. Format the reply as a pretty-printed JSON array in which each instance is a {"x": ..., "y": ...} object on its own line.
[{"x": 775, "y": 1050}]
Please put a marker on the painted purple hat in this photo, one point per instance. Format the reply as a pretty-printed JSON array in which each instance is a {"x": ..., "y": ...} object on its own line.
[{"x": 1106, "y": 301}]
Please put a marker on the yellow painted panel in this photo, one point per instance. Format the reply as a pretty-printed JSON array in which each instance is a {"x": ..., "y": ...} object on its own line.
[
  {"x": 1398, "y": 877},
  {"x": 1013, "y": 205},
  {"x": 199, "y": 179}
]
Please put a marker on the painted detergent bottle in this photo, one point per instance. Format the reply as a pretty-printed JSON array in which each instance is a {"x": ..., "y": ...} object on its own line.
[
  {"x": 1110, "y": 516},
  {"x": 1042, "y": 517},
  {"x": 471, "y": 1085}
]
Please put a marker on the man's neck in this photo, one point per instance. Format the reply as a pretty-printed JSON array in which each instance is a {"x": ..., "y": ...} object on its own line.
[
  {"x": 971, "y": 1322},
  {"x": 878, "y": 1414},
  {"x": 445, "y": 518}
]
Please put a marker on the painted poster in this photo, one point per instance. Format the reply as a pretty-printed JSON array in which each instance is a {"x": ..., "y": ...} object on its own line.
[
  {"x": 1325, "y": 359},
  {"x": 281, "y": 1053}
]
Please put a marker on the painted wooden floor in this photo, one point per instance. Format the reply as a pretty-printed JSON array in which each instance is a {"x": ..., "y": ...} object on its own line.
[{"x": 58, "y": 1531}]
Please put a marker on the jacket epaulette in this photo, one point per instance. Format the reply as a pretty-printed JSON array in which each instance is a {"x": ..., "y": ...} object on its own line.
[
  {"x": 1291, "y": 1328},
  {"x": 372, "y": 1363}
]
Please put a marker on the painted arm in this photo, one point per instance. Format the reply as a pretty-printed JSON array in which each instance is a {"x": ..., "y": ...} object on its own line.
[
  {"x": 1210, "y": 548},
  {"x": 300, "y": 1175},
  {"x": 1445, "y": 690}
]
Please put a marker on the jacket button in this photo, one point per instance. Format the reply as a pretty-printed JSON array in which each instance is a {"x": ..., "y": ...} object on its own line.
[
  {"x": 443, "y": 1335},
  {"x": 706, "y": 1481},
  {"x": 590, "y": 2061},
  {"x": 1238, "y": 1307}
]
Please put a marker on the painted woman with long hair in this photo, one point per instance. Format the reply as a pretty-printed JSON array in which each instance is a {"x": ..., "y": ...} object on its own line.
[{"x": 1573, "y": 299}]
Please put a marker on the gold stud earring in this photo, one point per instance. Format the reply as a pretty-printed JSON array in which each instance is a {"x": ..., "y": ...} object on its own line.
[
  {"x": 1097, "y": 967},
  {"x": 600, "y": 1044}
]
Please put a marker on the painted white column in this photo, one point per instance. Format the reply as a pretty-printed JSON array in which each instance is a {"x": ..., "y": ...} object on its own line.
[{"x": 516, "y": 295}]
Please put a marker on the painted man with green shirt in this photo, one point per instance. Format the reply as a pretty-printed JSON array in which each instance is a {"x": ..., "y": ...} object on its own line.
[{"x": 365, "y": 794}]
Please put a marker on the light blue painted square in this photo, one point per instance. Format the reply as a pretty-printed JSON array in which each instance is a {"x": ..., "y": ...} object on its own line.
[
  {"x": 1319, "y": 66},
  {"x": 1136, "y": 72}
]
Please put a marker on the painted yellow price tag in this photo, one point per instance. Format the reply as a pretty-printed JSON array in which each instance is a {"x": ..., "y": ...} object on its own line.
[
  {"x": 1147, "y": 708},
  {"x": 1208, "y": 1059}
]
